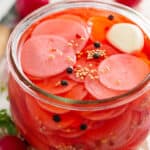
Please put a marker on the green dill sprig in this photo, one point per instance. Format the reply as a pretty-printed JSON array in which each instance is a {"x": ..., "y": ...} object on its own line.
[{"x": 6, "y": 124}]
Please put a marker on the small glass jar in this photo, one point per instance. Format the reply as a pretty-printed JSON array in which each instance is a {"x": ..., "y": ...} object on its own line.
[{"x": 50, "y": 122}]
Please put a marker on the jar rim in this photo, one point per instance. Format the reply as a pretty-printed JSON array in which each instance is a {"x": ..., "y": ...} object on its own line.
[{"x": 19, "y": 76}]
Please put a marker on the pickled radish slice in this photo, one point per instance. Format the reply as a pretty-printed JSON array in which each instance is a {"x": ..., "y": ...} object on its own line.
[
  {"x": 35, "y": 141},
  {"x": 78, "y": 92},
  {"x": 138, "y": 136},
  {"x": 104, "y": 131},
  {"x": 99, "y": 26},
  {"x": 122, "y": 71},
  {"x": 16, "y": 93},
  {"x": 54, "y": 84},
  {"x": 105, "y": 47},
  {"x": 44, "y": 56},
  {"x": 72, "y": 134},
  {"x": 51, "y": 121},
  {"x": 52, "y": 109},
  {"x": 75, "y": 129},
  {"x": 74, "y": 18},
  {"x": 109, "y": 49},
  {"x": 89, "y": 97},
  {"x": 104, "y": 115},
  {"x": 140, "y": 123},
  {"x": 126, "y": 37},
  {"x": 87, "y": 64},
  {"x": 74, "y": 32},
  {"x": 85, "y": 67},
  {"x": 55, "y": 141},
  {"x": 97, "y": 90}
]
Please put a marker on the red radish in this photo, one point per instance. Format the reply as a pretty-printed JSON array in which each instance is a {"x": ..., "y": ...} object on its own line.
[
  {"x": 122, "y": 72},
  {"x": 97, "y": 90},
  {"x": 130, "y": 3},
  {"x": 24, "y": 7},
  {"x": 78, "y": 30},
  {"x": 53, "y": 50},
  {"x": 54, "y": 84},
  {"x": 11, "y": 143}
]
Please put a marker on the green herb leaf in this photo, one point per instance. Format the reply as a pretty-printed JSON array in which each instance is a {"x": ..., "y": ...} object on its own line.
[{"x": 7, "y": 123}]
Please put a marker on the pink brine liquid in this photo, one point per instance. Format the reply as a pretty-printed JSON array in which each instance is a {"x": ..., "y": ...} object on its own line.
[{"x": 76, "y": 54}]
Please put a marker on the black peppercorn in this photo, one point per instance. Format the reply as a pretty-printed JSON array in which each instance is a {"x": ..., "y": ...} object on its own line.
[
  {"x": 96, "y": 55},
  {"x": 69, "y": 70},
  {"x": 110, "y": 17},
  {"x": 97, "y": 44},
  {"x": 83, "y": 127},
  {"x": 64, "y": 82},
  {"x": 56, "y": 118}
]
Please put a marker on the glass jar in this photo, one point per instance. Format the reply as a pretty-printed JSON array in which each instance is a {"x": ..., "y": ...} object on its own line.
[{"x": 50, "y": 122}]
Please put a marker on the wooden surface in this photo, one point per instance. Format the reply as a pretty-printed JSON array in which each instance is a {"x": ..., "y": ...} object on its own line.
[{"x": 4, "y": 35}]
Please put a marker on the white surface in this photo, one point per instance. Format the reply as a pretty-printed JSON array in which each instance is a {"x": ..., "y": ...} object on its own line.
[{"x": 5, "y": 6}]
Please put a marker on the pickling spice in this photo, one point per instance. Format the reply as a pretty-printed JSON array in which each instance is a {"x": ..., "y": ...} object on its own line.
[
  {"x": 64, "y": 82},
  {"x": 111, "y": 17},
  {"x": 83, "y": 127},
  {"x": 96, "y": 55},
  {"x": 69, "y": 70},
  {"x": 97, "y": 44},
  {"x": 56, "y": 118}
]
